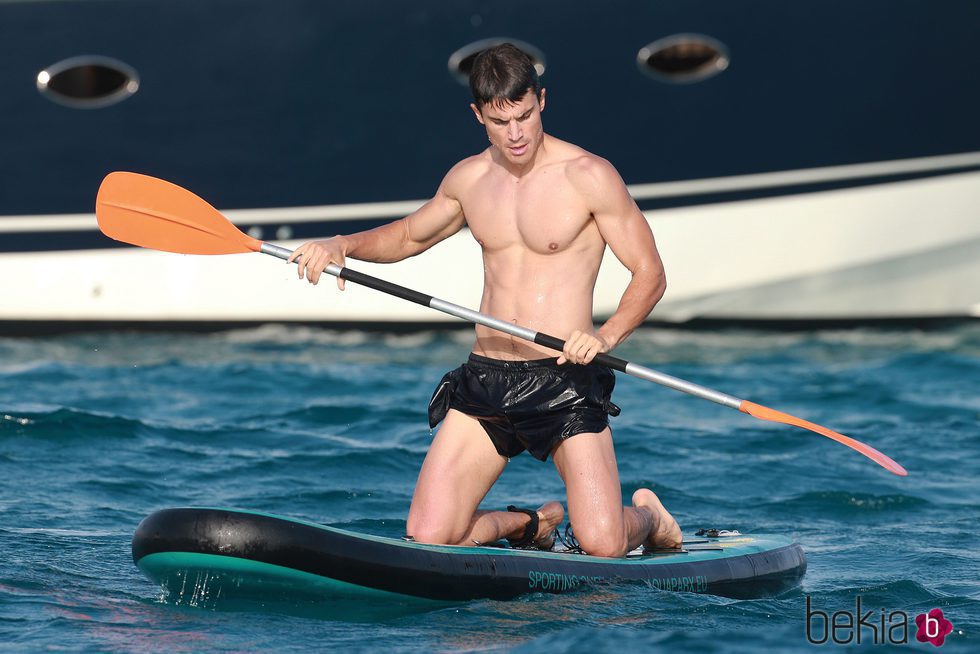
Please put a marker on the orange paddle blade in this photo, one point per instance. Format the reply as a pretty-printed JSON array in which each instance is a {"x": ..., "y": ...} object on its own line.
[
  {"x": 765, "y": 413},
  {"x": 151, "y": 213}
]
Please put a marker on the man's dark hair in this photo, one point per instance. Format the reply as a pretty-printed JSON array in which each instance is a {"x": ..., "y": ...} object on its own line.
[{"x": 503, "y": 73}]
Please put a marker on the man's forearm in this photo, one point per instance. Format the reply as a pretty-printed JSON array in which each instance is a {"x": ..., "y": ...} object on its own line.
[
  {"x": 384, "y": 244},
  {"x": 641, "y": 296}
]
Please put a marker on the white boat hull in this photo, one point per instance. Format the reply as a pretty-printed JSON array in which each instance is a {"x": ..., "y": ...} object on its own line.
[{"x": 903, "y": 250}]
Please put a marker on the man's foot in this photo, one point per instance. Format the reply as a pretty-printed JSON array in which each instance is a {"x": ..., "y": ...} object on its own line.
[
  {"x": 539, "y": 533},
  {"x": 665, "y": 533}
]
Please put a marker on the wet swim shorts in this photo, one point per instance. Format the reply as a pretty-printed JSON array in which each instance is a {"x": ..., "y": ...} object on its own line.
[{"x": 527, "y": 405}]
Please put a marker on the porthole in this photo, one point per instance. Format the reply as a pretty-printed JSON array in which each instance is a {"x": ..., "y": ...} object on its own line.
[
  {"x": 461, "y": 61},
  {"x": 683, "y": 58},
  {"x": 88, "y": 82}
]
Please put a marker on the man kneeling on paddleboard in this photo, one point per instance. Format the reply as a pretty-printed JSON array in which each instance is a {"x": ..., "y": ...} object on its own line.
[{"x": 543, "y": 211}]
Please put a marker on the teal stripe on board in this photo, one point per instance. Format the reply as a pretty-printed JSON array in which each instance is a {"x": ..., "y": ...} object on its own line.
[{"x": 195, "y": 579}]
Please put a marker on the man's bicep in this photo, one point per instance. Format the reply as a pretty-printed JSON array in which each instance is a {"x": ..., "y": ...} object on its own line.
[
  {"x": 624, "y": 227},
  {"x": 631, "y": 240},
  {"x": 437, "y": 219}
]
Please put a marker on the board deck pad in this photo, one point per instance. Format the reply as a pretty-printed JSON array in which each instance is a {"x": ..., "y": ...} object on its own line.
[{"x": 220, "y": 553}]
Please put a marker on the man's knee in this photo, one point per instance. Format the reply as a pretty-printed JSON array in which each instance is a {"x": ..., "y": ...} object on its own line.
[
  {"x": 431, "y": 533},
  {"x": 603, "y": 543}
]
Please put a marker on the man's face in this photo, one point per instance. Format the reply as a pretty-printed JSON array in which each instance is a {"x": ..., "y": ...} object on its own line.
[{"x": 514, "y": 128}]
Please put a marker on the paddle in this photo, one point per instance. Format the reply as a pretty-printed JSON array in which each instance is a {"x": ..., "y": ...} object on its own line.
[{"x": 152, "y": 213}]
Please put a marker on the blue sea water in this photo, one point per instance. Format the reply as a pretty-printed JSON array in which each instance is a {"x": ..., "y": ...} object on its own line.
[{"x": 99, "y": 430}]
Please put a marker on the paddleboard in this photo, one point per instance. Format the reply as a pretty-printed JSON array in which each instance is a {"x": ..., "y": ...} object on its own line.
[{"x": 225, "y": 552}]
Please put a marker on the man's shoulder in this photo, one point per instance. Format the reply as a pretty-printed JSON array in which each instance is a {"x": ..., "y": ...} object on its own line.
[
  {"x": 473, "y": 165},
  {"x": 577, "y": 161},
  {"x": 593, "y": 177},
  {"x": 586, "y": 171},
  {"x": 467, "y": 171}
]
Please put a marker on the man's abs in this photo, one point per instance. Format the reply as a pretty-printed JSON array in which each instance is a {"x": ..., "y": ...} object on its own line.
[{"x": 548, "y": 294}]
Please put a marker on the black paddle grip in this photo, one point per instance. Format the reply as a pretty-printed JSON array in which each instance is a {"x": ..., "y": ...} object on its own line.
[
  {"x": 602, "y": 358},
  {"x": 385, "y": 287}
]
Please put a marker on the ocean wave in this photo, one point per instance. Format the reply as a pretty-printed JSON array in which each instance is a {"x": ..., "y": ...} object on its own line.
[
  {"x": 897, "y": 593},
  {"x": 290, "y": 335},
  {"x": 722, "y": 347},
  {"x": 50, "y": 531},
  {"x": 837, "y": 502},
  {"x": 68, "y": 423},
  {"x": 958, "y": 337}
]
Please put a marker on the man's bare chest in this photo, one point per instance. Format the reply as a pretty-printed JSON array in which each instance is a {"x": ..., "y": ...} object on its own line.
[{"x": 545, "y": 218}]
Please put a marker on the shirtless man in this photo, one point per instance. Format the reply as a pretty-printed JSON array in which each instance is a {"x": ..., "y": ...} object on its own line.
[{"x": 543, "y": 211}]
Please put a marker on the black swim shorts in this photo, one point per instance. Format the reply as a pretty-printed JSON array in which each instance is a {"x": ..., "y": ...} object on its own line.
[{"x": 527, "y": 405}]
